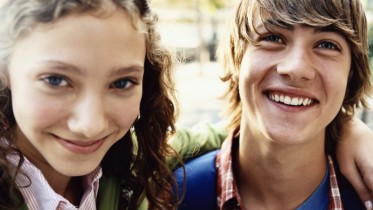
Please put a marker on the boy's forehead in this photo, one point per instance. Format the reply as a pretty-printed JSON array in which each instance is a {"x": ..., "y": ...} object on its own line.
[{"x": 264, "y": 20}]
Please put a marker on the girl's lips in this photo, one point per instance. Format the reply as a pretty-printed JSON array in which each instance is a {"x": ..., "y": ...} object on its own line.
[{"x": 81, "y": 147}]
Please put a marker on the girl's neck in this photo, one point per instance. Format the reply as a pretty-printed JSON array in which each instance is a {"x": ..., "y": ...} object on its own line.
[
  {"x": 74, "y": 191},
  {"x": 70, "y": 188}
]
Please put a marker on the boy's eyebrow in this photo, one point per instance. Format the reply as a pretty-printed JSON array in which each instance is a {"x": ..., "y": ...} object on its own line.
[
  {"x": 325, "y": 29},
  {"x": 282, "y": 25},
  {"x": 275, "y": 24}
]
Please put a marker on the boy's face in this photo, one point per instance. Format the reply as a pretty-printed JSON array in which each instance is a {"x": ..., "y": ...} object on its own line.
[
  {"x": 292, "y": 84},
  {"x": 76, "y": 88}
]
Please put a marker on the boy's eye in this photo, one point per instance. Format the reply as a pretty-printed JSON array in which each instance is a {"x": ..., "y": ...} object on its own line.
[
  {"x": 55, "y": 81},
  {"x": 328, "y": 45},
  {"x": 272, "y": 38},
  {"x": 122, "y": 84}
]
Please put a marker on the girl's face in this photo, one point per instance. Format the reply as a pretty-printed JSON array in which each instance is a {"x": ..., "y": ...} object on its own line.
[
  {"x": 76, "y": 87},
  {"x": 292, "y": 84}
]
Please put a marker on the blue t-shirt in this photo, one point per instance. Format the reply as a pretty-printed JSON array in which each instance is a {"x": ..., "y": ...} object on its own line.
[{"x": 320, "y": 198}]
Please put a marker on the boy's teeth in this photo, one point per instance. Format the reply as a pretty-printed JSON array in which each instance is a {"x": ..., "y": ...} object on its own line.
[
  {"x": 305, "y": 102},
  {"x": 295, "y": 101},
  {"x": 277, "y": 99},
  {"x": 287, "y": 100}
]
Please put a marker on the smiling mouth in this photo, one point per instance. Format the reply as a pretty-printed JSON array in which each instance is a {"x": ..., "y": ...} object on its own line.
[
  {"x": 289, "y": 100},
  {"x": 80, "y": 147},
  {"x": 83, "y": 144}
]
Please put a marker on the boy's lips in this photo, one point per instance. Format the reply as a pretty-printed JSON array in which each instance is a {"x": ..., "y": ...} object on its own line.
[{"x": 289, "y": 100}]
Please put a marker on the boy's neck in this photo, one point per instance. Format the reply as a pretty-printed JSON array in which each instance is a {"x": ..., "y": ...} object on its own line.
[{"x": 282, "y": 178}]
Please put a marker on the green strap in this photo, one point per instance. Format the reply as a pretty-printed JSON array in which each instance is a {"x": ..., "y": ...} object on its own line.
[
  {"x": 23, "y": 207},
  {"x": 108, "y": 195},
  {"x": 19, "y": 199}
]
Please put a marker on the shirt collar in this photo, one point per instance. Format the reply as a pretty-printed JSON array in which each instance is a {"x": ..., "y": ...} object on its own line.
[
  {"x": 226, "y": 187},
  {"x": 228, "y": 196},
  {"x": 38, "y": 194}
]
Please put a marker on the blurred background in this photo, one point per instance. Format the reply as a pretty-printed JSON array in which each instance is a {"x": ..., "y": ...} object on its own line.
[{"x": 192, "y": 29}]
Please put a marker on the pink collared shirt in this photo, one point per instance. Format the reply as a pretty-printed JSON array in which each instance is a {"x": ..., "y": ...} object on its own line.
[{"x": 40, "y": 196}]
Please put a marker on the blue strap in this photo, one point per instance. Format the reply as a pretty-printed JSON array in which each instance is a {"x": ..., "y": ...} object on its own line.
[{"x": 200, "y": 183}]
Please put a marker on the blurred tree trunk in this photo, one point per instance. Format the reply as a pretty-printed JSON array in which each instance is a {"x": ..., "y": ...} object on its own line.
[{"x": 203, "y": 52}]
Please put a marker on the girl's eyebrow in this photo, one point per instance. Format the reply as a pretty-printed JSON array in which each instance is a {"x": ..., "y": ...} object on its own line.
[
  {"x": 125, "y": 70},
  {"x": 59, "y": 65}
]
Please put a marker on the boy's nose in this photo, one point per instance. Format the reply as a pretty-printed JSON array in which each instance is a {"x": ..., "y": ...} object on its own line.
[{"x": 297, "y": 64}]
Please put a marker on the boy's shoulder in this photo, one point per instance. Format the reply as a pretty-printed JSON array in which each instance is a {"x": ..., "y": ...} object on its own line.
[{"x": 200, "y": 190}]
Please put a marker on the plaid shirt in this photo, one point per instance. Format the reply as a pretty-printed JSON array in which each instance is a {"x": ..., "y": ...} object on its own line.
[{"x": 228, "y": 197}]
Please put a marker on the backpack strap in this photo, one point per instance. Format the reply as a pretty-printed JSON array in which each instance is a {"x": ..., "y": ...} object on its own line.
[
  {"x": 108, "y": 194},
  {"x": 200, "y": 191},
  {"x": 20, "y": 199},
  {"x": 24, "y": 207}
]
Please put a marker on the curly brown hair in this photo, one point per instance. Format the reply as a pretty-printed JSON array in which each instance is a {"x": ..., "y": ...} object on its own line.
[
  {"x": 346, "y": 17},
  {"x": 139, "y": 158}
]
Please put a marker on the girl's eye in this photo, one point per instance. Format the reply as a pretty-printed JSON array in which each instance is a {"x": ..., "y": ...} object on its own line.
[
  {"x": 328, "y": 45},
  {"x": 55, "y": 81},
  {"x": 122, "y": 84},
  {"x": 272, "y": 38}
]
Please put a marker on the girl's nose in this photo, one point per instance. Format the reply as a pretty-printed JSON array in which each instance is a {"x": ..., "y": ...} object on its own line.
[{"x": 88, "y": 118}]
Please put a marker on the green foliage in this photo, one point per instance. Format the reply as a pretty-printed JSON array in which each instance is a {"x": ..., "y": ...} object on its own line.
[
  {"x": 211, "y": 6},
  {"x": 370, "y": 40},
  {"x": 206, "y": 6},
  {"x": 179, "y": 3}
]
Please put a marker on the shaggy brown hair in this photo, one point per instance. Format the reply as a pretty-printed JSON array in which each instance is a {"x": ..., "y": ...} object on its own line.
[
  {"x": 345, "y": 17},
  {"x": 138, "y": 162}
]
